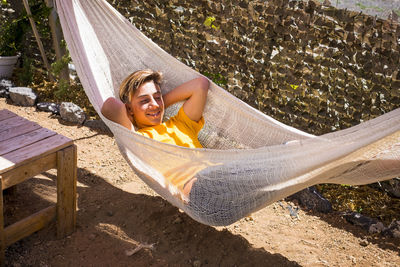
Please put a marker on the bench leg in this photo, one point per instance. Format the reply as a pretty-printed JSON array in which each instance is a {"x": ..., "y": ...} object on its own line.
[
  {"x": 66, "y": 190},
  {"x": 2, "y": 236}
]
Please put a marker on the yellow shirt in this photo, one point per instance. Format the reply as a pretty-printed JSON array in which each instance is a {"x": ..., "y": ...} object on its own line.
[{"x": 179, "y": 130}]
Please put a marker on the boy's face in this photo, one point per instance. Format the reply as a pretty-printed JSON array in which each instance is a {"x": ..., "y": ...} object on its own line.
[{"x": 147, "y": 105}]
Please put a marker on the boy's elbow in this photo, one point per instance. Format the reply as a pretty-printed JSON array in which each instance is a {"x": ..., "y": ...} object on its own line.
[
  {"x": 106, "y": 105},
  {"x": 109, "y": 106}
]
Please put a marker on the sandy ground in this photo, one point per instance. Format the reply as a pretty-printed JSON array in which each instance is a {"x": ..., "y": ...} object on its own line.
[{"x": 118, "y": 215}]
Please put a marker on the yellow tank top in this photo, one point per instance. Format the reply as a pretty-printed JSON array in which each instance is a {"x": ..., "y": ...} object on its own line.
[{"x": 179, "y": 130}]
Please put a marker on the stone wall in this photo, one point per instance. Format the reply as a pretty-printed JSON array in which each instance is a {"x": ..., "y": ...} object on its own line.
[{"x": 310, "y": 66}]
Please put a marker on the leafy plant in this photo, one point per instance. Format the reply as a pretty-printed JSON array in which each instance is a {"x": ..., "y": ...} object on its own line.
[
  {"x": 62, "y": 88},
  {"x": 59, "y": 65},
  {"x": 216, "y": 78},
  {"x": 362, "y": 6},
  {"x": 56, "y": 69},
  {"x": 209, "y": 22},
  {"x": 25, "y": 75},
  {"x": 13, "y": 31},
  {"x": 11, "y": 36}
]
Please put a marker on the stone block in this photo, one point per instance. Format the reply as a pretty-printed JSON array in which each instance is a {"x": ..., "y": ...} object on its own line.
[
  {"x": 23, "y": 96},
  {"x": 312, "y": 199},
  {"x": 49, "y": 107},
  {"x": 72, "y": 113}
]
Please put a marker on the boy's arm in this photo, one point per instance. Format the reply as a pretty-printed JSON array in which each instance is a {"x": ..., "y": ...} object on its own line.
[
  {"x": 195, "y": 94},
  {"x": 114, "y": 110}
]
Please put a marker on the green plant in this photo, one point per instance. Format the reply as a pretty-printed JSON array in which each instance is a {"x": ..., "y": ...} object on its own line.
[
  {"x": 13, "y": 30},
  {"x": 59, "y": 65},
  {"x": 11, "y": 36},
  {"x": 62, "y": 88},
  {"x": 362, "y": 6},
  {"x": 25, "y": 75},
  {"x": 56, "y": 69},
  {"x": 209, "y": 22},
  {"x": 216, "y": 78}
]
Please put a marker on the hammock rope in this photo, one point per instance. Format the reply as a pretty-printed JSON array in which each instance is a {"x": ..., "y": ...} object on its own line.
[{"x": 246, "y": 164}]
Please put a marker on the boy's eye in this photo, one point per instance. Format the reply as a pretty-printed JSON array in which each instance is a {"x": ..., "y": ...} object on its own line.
[{"x": 144, "y": 101}]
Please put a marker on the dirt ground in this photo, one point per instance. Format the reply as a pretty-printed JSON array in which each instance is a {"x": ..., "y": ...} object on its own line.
[{"x": 122, "y": 222}]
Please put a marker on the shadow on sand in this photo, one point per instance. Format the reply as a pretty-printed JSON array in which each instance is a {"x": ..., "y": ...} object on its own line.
[{"x": 111, "y": 221}]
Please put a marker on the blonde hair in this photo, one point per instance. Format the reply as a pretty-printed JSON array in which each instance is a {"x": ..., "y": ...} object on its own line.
[{"x": 131, "y": 83}]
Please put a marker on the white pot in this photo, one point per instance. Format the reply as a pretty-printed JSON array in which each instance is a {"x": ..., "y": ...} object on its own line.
[{"x": 7, "y": 66}]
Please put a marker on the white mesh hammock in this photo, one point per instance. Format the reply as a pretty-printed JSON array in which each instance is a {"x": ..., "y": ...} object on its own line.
[{"x": 245, "y": 165}]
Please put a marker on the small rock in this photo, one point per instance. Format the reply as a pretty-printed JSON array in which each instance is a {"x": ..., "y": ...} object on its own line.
[
  {"x": 179, "y": 9},
  {"x": 312, "y": 199},
  {"x": 396, "y": 234},
  {"x": 376, "y": 228},
  {"x": 196, "y": 263},
  {"x": 360, "y": 220},
  {"x": 394, "y": 229},
  {"x": 293, "y": 211},
  {"x": 4, "y": 93},
  {"x": 72, "y": 113},
  {"x": 177, "y": 220},
  {"x": 5, "y": 84},
  {"x": 5, "y": 87},
  {"x": 327, "y": 3},
  {"x": 392, "y": 187},
  {"x": 23, "y": 96},
  {"x": 49, "y": 107},
  {"x": 248, "y": 218},
  {"x": 110, "y": 213},
  {"x": 9, "y": 10},
  {"x": 364, "y": 243}
]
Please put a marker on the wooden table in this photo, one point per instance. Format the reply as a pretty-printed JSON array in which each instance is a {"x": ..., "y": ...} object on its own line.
[{"x": 27, "y": 149}]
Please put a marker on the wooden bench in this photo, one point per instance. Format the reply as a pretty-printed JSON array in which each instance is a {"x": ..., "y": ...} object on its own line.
[{"x": 27, "y": 149}]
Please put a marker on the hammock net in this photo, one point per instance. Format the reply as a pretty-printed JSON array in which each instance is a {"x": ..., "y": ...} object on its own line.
[{"x": 249, "y": 161}]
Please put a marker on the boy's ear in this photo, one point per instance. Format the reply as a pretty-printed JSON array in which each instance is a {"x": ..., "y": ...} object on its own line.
[{"x": 128, "y": 108}]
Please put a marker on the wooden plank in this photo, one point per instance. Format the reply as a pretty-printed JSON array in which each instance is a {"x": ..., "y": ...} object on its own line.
[
  {"x": 58, "y": 37},
  {"x": 26, "y": 171},
  {"x": 32, "y": 152},
  {"x": 20, "y": 141},
  {"x": 29, "y": 225},
  {"x": 38, "y": 40},
  {"x": 11, "y": 123},
  {"x": 5, "y": 114},
  {"x": 66, "y": 191},
  {"x": 2, "y": 235},
  {"x": 18, "y": 130}
]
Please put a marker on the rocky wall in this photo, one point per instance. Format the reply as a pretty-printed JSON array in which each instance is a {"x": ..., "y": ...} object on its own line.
[{"x": 310, "y": 66}]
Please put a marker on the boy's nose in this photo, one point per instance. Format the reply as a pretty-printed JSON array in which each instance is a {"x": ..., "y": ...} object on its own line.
[{"x": 153, "y": 102}]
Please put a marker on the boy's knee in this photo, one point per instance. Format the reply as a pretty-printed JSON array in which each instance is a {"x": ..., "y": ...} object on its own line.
[{"x": 205, "y": 84}]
